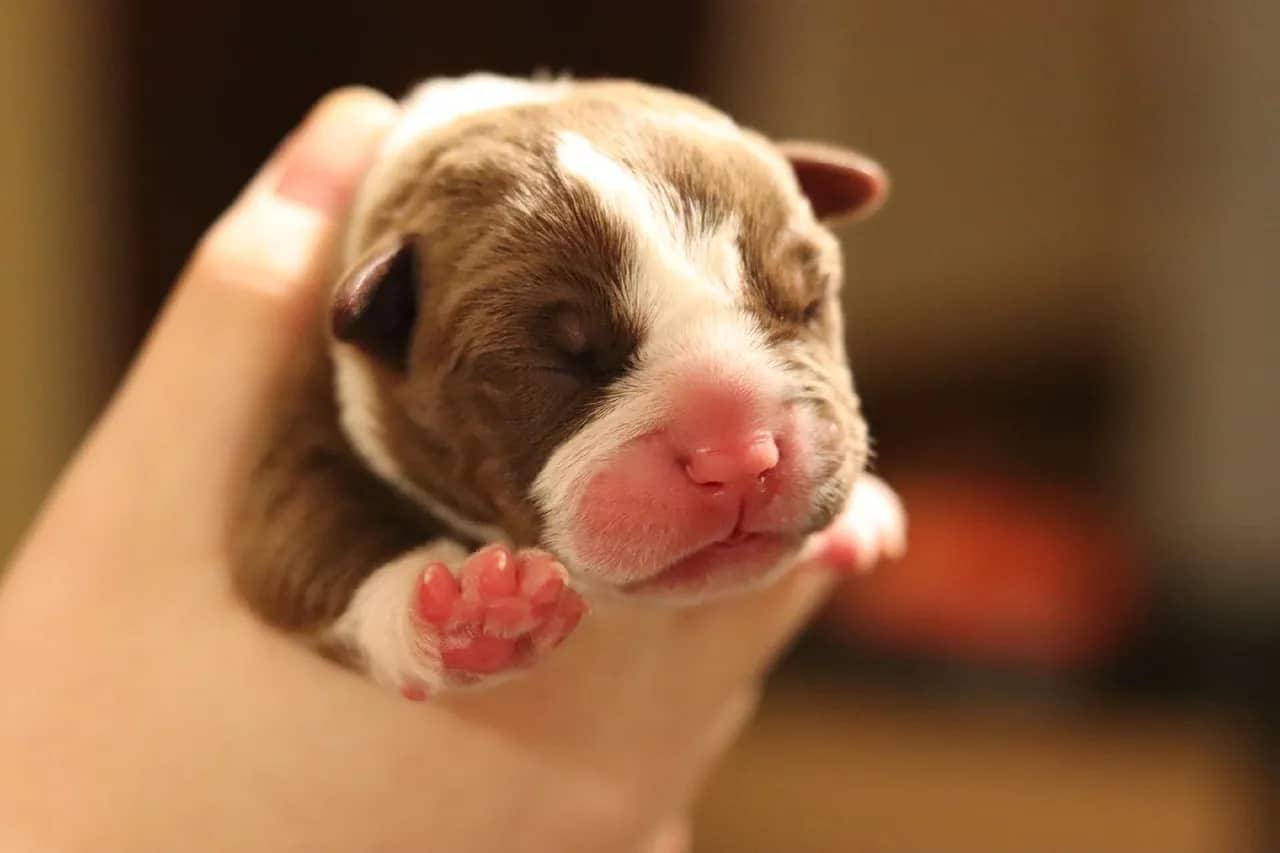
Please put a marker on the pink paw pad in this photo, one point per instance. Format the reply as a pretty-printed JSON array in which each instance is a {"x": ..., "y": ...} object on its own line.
[{"x": 500, "y": 610}]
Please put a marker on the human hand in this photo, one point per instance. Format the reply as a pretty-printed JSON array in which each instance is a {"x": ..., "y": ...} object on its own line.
[{"x": 146, "y": 709}]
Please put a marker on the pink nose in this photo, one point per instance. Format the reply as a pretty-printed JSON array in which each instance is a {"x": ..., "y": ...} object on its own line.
[{"x": 718, "y": 466}]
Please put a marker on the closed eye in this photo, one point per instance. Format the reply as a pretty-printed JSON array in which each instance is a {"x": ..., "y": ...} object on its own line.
[
  {"x": 588, "y": 367},
  {"x": 580, "y": 363}
]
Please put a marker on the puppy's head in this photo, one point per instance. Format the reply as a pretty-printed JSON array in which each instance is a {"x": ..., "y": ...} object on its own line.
[{"x": 603, "y": 318}]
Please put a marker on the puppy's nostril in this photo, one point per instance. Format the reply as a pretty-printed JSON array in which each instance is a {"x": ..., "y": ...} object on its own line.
[
  {"x": 762, "y": 454},
  {"x": 701, "y": 478},
  {"x": 743, "y": 464}
]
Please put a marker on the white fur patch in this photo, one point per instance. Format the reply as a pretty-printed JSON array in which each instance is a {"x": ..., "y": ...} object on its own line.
[
  {"x": 436, "y": 103},
  {"x": 379, "y": 623},
  {"x": 683, "y": 290},
  {"x": 673, "y": 258},
  {"x": 361, "y": 421},
  {"x": 619, "y": 189}
]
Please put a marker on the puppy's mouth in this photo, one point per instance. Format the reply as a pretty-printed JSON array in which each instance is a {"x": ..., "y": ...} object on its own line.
[{"x": 740, "y": 559}]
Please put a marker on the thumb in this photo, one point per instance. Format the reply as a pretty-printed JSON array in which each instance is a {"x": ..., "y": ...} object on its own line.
[{"x": 250, "y": 296}]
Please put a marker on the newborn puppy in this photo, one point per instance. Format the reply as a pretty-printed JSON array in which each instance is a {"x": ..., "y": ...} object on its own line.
[{"x": 595, "y": 319}]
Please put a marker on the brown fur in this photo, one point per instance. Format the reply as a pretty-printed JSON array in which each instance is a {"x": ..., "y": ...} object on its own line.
[{"x": 313, "y": 521}]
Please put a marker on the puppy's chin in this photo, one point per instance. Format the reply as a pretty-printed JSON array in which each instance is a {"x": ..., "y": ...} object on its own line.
[
  {"x": 691, "y": 557},
  {"x": 745, "y": 562},
  {"x": 720, "y": 570}
]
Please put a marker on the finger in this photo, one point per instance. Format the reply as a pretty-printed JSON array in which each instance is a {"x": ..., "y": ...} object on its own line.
[{"x": 247, "y": 302}]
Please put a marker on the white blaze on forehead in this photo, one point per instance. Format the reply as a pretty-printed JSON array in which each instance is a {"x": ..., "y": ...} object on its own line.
[
  {"x": 619, "y": 189},
  {"x": 684, "y": 288},
  {"x": 675, "y": 261}
]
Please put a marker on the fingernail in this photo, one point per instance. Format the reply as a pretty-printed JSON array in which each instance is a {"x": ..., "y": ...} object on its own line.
[{"x": 325, "y": 158}]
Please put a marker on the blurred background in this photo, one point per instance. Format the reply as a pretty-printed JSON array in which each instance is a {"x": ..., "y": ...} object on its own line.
[{"x": 1062, "y": 326}]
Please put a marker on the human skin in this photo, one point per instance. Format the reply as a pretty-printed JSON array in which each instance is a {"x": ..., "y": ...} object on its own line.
[{"x": 144, "y": 708}]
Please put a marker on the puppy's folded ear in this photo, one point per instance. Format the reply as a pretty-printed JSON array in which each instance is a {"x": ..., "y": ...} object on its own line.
[
  {"x": 375, "y": 306},
  {"x": 841, "y": 185}
]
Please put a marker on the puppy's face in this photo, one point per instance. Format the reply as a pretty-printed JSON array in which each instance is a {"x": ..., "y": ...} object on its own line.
[{"x": 602, "y": 318}]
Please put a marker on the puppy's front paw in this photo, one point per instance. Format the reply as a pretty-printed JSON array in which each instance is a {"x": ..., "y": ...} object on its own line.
[
  {"x": 873, "y": 527},
  {"x": 419, "y": 626},
  {"x": 499, "y": 611}
]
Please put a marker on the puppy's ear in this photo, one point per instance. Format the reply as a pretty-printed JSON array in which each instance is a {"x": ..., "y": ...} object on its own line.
[
  {"x": 841, "y": 185},
  {"x": 375, "y": 306}
]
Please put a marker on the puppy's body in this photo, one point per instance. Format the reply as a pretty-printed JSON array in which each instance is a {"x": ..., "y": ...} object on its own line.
[{"x": 597, "y": 318}]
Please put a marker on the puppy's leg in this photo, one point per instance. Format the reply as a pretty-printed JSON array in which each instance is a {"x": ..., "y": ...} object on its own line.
[{"x": 438, "y": 618}]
